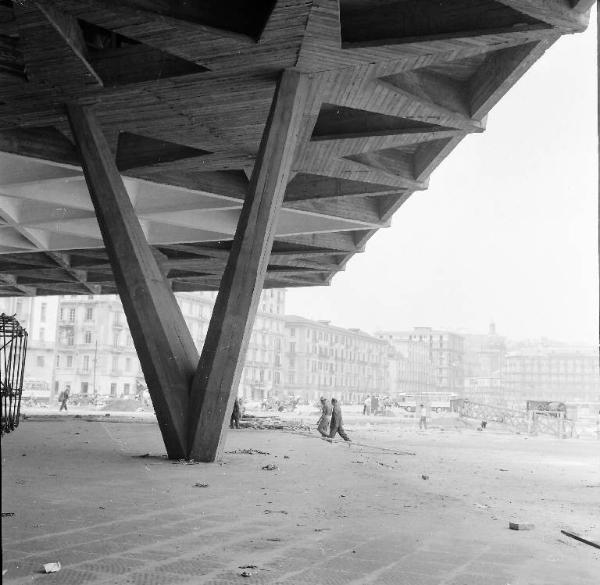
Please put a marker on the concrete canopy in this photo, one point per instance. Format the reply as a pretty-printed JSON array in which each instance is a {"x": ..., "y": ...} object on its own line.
[{"x": 183, "y": 92}]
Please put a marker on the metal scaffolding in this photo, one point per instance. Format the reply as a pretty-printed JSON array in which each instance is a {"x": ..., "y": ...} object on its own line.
[{"x": 13, "y": 348}]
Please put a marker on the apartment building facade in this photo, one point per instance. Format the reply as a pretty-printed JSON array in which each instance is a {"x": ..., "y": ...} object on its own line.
[
  {"x": 434, "y": 359},
  {"x": 554, "y": 373},
  {"x": 324, "y": 360},
  {"x": 83, "y": 343}
]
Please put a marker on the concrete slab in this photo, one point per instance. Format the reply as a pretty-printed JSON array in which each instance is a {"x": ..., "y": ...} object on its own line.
[{"x": 100, "y": 498}]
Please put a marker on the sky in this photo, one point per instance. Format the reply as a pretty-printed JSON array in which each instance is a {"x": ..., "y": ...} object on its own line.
[{"x": 507, "y": 231}]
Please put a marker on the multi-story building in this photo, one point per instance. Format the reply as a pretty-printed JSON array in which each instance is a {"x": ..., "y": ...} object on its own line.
[
  {"x": 39, "y": 317},
  {"x": 411, "y": 365},
  {"x": 554, "y": 373},
  {"x": 322, "y": 359},
  {"x": 83, "y": 343},
  {"x": 434, "y": 359},
  {"x": 485, "y": 356}
]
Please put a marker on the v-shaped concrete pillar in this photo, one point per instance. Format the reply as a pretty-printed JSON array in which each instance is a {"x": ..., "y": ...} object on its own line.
[
  {"x": 162, "y": 339},
  {"x": 216, "y": 381},
  {"x": 192, "y": 395}
]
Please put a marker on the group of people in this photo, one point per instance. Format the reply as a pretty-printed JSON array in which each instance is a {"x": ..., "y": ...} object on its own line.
[{"x": 331, "y": 422}]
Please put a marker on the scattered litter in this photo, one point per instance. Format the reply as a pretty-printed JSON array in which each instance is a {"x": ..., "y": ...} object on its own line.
[
  {"x": 361, "y": 462},
  {"x": 275, "y": 512},
  {"x": 502, "y": 469},
  {"x": 7, "y": 514},
  {"x": 424, "y": 476},
  {"x": 521, "y": 526},
  {"x": 248, "y": 567},
  {"x": 286, "y": 456},
  {"x": 186, "y": 462},
  {"x": 246, "y": 574},
  {"x": 101, "y": 508},
  {"x": 483, "y": 506},
  {"x": 274, "y": 539},
  {"x": 52, "y": 567},
  {"x": 321, "y": 529},
  {"x": 342, "y": 495},
  {"x": 200, "y": 485},
  {"x": 247, "y": 452},
  {"x": 580, "y": 538},
  {"x": 270, "y": 467},
  {"x": 385, "y": 465}
]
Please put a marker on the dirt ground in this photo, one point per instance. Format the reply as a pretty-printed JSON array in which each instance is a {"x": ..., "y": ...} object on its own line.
[{"x": 100, "y": 498}]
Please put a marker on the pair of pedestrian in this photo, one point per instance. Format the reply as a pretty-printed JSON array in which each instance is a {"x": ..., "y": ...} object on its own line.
[{"x": 331, "y": 422}]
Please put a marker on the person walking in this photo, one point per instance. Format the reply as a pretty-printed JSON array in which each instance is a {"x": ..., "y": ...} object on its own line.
[
  {"x": 337, "y": 425},
  {"x": 423, "y": 419},
  {"x": 323, "y": 422},
  {"x": 63, "y": 397},
  {"x": 234, "y": 423},
  {"x": 367, "y": 406}
]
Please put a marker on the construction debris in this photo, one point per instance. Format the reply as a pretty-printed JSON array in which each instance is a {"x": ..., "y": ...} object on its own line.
[
  {"x": 52, "y": 567},
  {"x": 270, "y": 467},
  {"x": 521, "y": 526},
  {"x": 247, "y": 452},
  {"x": 580, "y": 538}
]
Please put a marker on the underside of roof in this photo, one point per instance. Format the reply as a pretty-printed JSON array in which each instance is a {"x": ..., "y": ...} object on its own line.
[{"x": 183, "y": 90}]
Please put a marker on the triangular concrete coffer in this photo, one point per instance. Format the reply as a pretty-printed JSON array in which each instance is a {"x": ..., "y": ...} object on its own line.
[
  {"x": 120, "y": 60},
  {"x": 343, "y": 122},
  {"x": 135, "y": 151}
]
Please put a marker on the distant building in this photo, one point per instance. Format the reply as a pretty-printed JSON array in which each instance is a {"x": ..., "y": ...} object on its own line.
[
  {"x": 554, "y": 373},
  {"x": 39, "y": 317},
  {"x": 412, "y": 370},
  {"x": 484, "y": 362},
  {"x": 83, "y": 343},
  {"x": 434, "y": 359},
  {"x": 322, "y": 359}
]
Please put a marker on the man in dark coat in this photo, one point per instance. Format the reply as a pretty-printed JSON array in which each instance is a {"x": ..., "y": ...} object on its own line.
[
  {"x": 63, "y": 398},
  {"x": 337, "y": 425}
]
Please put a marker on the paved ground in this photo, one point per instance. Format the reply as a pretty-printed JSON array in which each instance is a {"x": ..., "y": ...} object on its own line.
[{"x": 83, "y": 494}]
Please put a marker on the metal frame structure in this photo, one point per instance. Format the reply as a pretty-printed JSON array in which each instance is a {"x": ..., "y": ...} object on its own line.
[{"x": 13, "y": 350}]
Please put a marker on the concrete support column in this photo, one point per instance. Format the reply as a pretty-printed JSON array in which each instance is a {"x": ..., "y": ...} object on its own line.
[
  {"x": 162, "y": 339},
  {"x": 218, "y": 375}
]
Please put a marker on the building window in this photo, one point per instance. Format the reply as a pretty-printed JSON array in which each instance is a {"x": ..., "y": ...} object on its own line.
[
  {"x": 57, "y": 360},
  {"x": 42, "y": 334},
  {"x": 86, "y": 362},
  {"x": 84, "y": 388},
  {"x": 43, "y": 309},
  {"x": 39, "y": 361},
  {"x": 88, "y": 337},
  {"x": 69, "y": 361},
  {"x": 115, "y": 362},
  {"x": 113, "y": 389},
  {"x": 89, "y": 313},
  {"x": 72, "y": 315},
  {"x": 127, "y": 364},
  {"x": 126, "y": 389}
]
